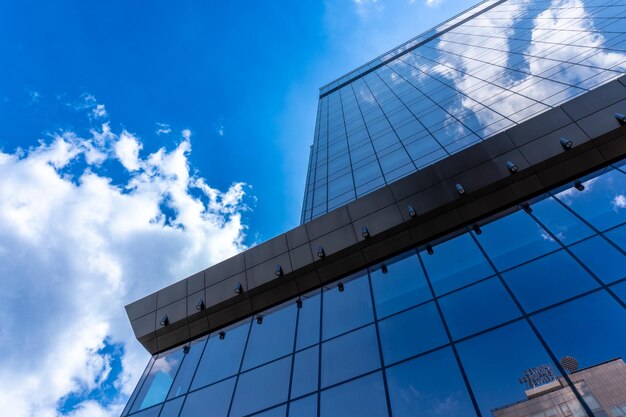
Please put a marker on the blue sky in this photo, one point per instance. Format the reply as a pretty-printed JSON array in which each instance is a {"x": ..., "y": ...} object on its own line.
[
  {"x": 141, "y": 142},
  {"x": 243, "y": 78}
]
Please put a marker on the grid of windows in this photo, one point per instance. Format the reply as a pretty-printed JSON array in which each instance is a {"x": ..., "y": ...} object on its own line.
[
  {"x": 430, "y": 334},
  {"x": 469, "y": 82}
]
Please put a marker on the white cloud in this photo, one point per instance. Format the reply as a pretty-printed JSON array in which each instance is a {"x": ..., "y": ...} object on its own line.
[
  {"x": 163, "y": 129},
  {"x": 76, "y": 246},
  {"x": 619, "y": 202},
  {"x": 433, "y": 3},
  {"x": 127, "y": 151},
  {"x": 99, "y": 111}
]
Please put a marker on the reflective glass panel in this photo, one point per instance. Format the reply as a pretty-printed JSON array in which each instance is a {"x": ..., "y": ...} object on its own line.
[
  {"x": 221, "y": 357},
  {"x": 603, "y": 201},
  {"x": 349, "y": 355},
  {"x": 187, "y": 368},
  {"x": 411, "y": 332},
  {"x": 172, "y": 408},
  {"x": 214, "y": 399},
  {"x": 309, "y": 321},
  {"x": 159, "y": 379},
  {"x": 455, "y": 263},
  {"x": 304, "y": 407},
  {"x": 362, "y": 397},
  {"x": 262, "y": 387},
  {"x": 514, "y": 239},
  {"x": 560, "y": 221},
  {"x": 590, "y": 329},
  {"x": 402, "y": 286},
  {"x": 620, "y": 290},
  {"x": 271, "y": 337},
  {"x": 274, "y": 412},
  {"x": 429, "y": 386},
  {"x": 548, "y": 280},
  {"x": 618, "y": 236},
  {"x": 495, "y": 361},
  {"x": 347, "y": 309},
  {"x": 477, "y": 308},
  {"x": 602, "y": 258},
  {"x": 305, "y": 370}
]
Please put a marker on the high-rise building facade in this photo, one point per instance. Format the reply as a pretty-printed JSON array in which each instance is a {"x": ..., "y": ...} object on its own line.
[{"x": 463, "y": 238}]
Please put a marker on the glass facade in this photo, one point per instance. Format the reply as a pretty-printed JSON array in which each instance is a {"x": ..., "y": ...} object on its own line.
[
  {"x": 478, "y": 74},
  {"x": 447, "y": 333}
]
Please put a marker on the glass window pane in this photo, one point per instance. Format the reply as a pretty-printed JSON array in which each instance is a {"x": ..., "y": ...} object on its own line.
[
  {"x": 172, "y": 408},
  {"x": 349, "y": 355},
  {"x": 514, "y": 239},
  {"x": 455, "y": 263},
  {"x": 603, "y": 201},
  {"x": 411, "y": 332},
  {"x": 215, "y": 398},
  {"x": 618, "y": 236},
  {"x": 309, "y": 321},
  {"x": 495, "y": 361},
  {"x": 272, "y": 337},
  {"x": 429, "y": 386},
  {"x": 591, "y": 329},
  {"x": 402, "y": 286},
  {"x": 159, "y": 379},
  {"x": 602, "y": 258},
  {"x": 548, "y": 280},
  {"x": 305, "y": 370},
  {"x": 187, "y": 368},
  {"x": 304, "y": 407},
  {"x": 620, "y": 290},
  {"x": 262, "y": 387},
  {"x": 347, "y": 309},
  {"x": 560, "y": 221},
  {"x": 274, "y": 412},
  {"x": 149, "y": 412},
  {"x": 221, "y": 357},
  {"x": 361, "y": 397},
  {"x": 477, "y": 308},
  {"x": 139, "y": 385}
]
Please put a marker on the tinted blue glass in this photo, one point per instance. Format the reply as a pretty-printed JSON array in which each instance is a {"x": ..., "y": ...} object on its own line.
[
  {"x": 221, "y": 358},
  {"x": 560, "y": 221},
  {"x": 548, "y": 280},
  {"x": 494, "y": 362},
  {"x": 620, "y": 290},
  {"x": 602, "y": 258},
  {"x": 262, "y": 387},
  {"x": 159, "y": 380},
  {"x": 603, "y": 201},
  {"x": 187, "y": 368},
  {"x": 214, "y": 399},
  {"x": 272, "y": 338},
  {"x": 345, "y": 310},
  {"x": 149, "y": 412},
  {"x": 309, "y": 321},
  {"x": 274, "y": 412},
  {"x": 349, "y": 355},
  {"x": 477, "y": 308},
  {"x": 305, "y": 370},
  {"x": 139, "y": 385},
  {"x": 455, "y": 263},
  {"x": 401, "y": 287},
  {"x": 172, "y": 408},
  {"x": 429, "y": 386},
  {"x": 591, "y": 329},
  {"x": 304, "y": 407},
  {"x": 361, "y": 397},
  {"x": 411, "y": 332},
  {"x": 618, "y": 236},
  {"x": 514, "y": 239}
]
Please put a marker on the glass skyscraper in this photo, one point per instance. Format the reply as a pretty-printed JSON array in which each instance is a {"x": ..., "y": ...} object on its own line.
[{"x": 462, "y": 250}]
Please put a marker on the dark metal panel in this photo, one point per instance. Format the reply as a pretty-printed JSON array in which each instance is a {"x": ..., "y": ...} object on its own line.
[
  {"x": 327, "y": 223},
  {"x": 550, "y": 145},
  {"x": 176, "y": 314},
  {"x": 266, "y": 272},
  {"x": 595, "y": 100},
  {"x": 228, "y": 268},
  {"x": 539, "y": 126},
  {"x": 297, "y": 237},
  {"x": 225, "y": 290},
  {"x": 301, "y": 256},
  {"x": 195, "y": 282},
  {"x": 334, "y": 242},
  {"x": 141, "y": 307},
  {"x": 370, "y": 203},
  {"x": 145, "y": 327},
  {"x": 602, "y": 121},
  {"x": 265, "y": 251},
  {"x": 378, "y": 222}
]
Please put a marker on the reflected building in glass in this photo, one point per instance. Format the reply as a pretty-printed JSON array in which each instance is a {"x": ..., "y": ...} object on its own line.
[{"x": 463, "y": 227}]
